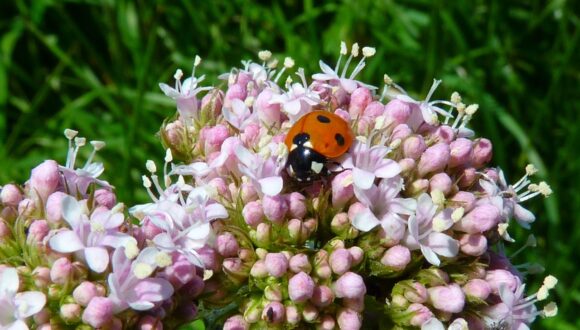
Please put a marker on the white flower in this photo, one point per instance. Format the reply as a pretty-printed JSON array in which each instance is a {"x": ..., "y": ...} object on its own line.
[{"x": 17, "y": 307}]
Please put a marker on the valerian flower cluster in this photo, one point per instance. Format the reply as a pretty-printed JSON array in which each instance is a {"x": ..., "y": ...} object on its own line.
[{"x": 407, "y": 231}]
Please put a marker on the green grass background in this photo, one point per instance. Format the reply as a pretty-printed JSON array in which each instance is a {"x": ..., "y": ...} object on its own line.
[{"x": 94, "y": 66}]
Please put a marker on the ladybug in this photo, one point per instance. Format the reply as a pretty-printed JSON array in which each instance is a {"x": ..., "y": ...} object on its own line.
[{"x": 314, "y": 139}]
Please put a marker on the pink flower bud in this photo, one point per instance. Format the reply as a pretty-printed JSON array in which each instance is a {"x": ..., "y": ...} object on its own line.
[
  {"x": 309, "y": 313},
  {"x": 41, "y": 277},
  {"x": 149, "y": 229},
  {"x": 227, "y": 245},
  {"x": 482, "y": 152},
  {"x": 340, "y": 223},
  {"x": 4, "y": 230},
  {"x": 477, "y": 288},
  {"x": 401, "y": 131},
  {"x": 83, "y": 293},
  {"x": 105, "y": 198},
  {"x": 414, "y": 146},
  {"x": 461, "y": 150},
  {"x": 473, "y": 244},
  {"x": 276, "y": 263},
  {"x": 419, "y": 186},
  {"x": 480, "y": 219},
  {"x": 444, "y": 133},
  {"x": 448, "y": 298},
  {"x": 422, "y": 314},
  {"x": 251, "y": 134},
  {"x": 54, "y": 207},
  {"x": 407, "y": 165},
  {"x": 296, "y": 205},
  {"x": 300, "y": 287},
  {"x": 342, "y": 188},
  {"x": 492, "y": 174},
  {"x": 209, "y": 258},
  {"x": 10, "y": 195},
  {"x": 434, "y": 159},
  {"x": 37, "y": 231},
  {"x": 327, "y": 322},
  {"x": 397, "y": 111},
  {"x": 148, "y": 322},
  {"x": 236, "y": 322},
  {"x": 295, "y": 227},
  {"x": 299, "y": 263},
  {"x": 357, "y": 254},
  {"x": 441, "y": 182},
  {"x": 359, "y": 100},
  {"x": 259, "y": 269},
  {"x": 235, "y": 91},
  {"x": 467, "y": 177},
  {"x": 45, "y": 178},
  {"x": 374, "y": 109},
  {"x": 61, "y": 271},
  {"x": 416, "y": 294},
  {"x": 26, "y": 207},
  {"x": 98, "y": 312},
  {"x": 212, "y": 102},
  {"x": 275, "y": 208},
  {"x": 263, "y": 234},
  {"x": 397, "y": 257},
  {"x": 343, "y": 114},
  {"x": 274, "y": 312},
  {"x": 253, "y": 213},
  {"x": 248, "y": 192},
  {"x": 499, "y": 276},
  {"x": 340, "y": 261},
  {"x": 349, "y": 285},
  {"x": 348, "y": 319},
  {"x": 70, "y": 312},
  {"x": 180, "y": 272},
  {"x": 464, "y": 199},
  {"x": 293, "y": 316},
  {"x": 322, "y": 296},
  {"x": 354, "y": 209},
  {"x": 194, "y": 287}
]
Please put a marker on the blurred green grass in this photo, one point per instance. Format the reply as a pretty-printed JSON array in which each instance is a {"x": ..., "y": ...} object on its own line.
[{"x": 95, "y": 66}]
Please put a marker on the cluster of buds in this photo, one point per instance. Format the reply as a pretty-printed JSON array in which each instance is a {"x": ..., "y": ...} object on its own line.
[
  {"x": 400, "y": 229},
  {"x": 70, "y": 257}
]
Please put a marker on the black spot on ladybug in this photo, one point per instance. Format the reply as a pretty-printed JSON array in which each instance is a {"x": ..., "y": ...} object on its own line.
[
  {"x": 323, "y": 119},
  {"x": 339, "y": 139},
  {"x": 301, "y": 138}
]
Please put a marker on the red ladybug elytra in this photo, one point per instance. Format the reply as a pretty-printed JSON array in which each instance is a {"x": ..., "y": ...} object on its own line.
[{"x": 314, "y": 139}]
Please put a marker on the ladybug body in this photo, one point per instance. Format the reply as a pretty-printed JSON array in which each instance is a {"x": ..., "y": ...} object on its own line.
[{"x": 314, "y": 139}]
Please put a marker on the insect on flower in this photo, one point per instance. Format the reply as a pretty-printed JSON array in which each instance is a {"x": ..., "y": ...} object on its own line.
[{"x": 313, "y": 140}]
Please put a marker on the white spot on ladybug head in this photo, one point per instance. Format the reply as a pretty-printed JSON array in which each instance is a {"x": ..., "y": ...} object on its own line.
[
  {"x": 293, "y": 147},
  {"x": 308, "y": 144},
  {"x": 316, "y": 167}
]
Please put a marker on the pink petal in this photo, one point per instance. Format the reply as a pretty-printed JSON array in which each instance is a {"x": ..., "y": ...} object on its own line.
[
  {"x": 215, "y": 211},
  {"x": 292, "y": 107},
  {"x": 97, "y": 258},
  {"x": 201, "y": 231},
  {"x": 71, "y": 211},
  {"x": 443, "y": 244},
  {"x": 430, "y": 256},
  {"x": 29, "y": 303},
  {"x": 363, "y": 179},
  {"x": 523, "y": 216},
  {"x": 164, "y": 241},
  {"x": 432, "y": 324},
  {"x": 271, "y": 186},
  {"x": 9, "y": 282},
  {"x": 365, "y": 221},
  {"x": 149, "y": 290},
  {"x": 66, "y": 241},
  {"x": 388, "y": 169}
]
